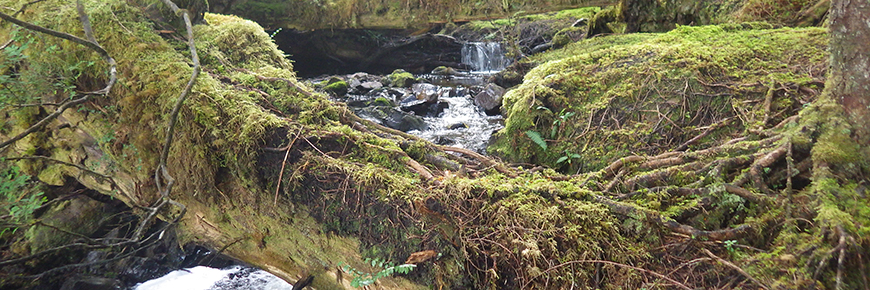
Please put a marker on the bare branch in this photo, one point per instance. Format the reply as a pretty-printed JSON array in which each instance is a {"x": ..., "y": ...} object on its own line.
[
  {"x": 732, "y": 266},
  {"x": 186, "y": 92}
]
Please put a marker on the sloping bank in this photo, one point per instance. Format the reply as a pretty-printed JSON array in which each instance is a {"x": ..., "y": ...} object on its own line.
[
  {"x": 651, "y": 93},
  {"x": 351, "y": 189}
]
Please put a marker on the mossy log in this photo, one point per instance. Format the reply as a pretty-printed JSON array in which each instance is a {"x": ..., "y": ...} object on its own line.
[{"x": 279, "y": 176}]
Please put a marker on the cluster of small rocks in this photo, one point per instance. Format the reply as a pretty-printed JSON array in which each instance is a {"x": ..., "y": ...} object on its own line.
[{"x": 400, "y": 100}]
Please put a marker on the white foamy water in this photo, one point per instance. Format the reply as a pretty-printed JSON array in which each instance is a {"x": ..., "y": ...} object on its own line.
[
  {"x": 475, "y": 130},
  {"x": 484, "y": 57},
  {"x": 205, "y": 278}
]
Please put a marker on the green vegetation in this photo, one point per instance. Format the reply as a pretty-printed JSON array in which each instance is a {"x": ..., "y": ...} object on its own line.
[
  {"x": 401, "y": 14},
  {"x": 18, "y": 199},
  {"x": 363, "y": 279},
  {"x": 630, "y": 91},
  {"x": 400, "y": 78}
]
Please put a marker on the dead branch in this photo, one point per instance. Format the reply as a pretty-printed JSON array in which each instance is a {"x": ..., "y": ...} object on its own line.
[
  {"x": 186, "y": 91},
  {"x": 487, "y": 161},
  {"x": 679, "y": 191},
  {"x": 420, "y": 169},
  {"x": 732, "y": 266},
  {"x": 7, "y": 43},
  {"x": 284, "y": 163},
  {"x": 748, "y": 195},
  {"x": 442, "y": 162},
  {"x": 614, "y": 167},
  {"x": 136, "y": 240},
  {"x": 23, "y": 7},
  {"x": 709, "y": 130},
  {"x": 655, "y": 178}
]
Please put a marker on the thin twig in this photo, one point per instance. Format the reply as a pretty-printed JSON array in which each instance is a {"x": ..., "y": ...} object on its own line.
[
  {"x": 284, "y": 163},
  {"x": 7, "y": 43},
  {"x": 23, "y": 7},
  {"x": 732, "y": 266}
]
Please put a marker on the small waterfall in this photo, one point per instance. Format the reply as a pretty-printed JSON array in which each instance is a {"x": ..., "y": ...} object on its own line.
[{"x": 484, "y": 57}]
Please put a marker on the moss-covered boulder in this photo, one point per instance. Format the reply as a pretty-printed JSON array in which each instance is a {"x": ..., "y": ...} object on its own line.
[
  {"x": 400, "y": 78},
  {"x": 335, "y": 86},
  {"x": 648, "y": 93}
]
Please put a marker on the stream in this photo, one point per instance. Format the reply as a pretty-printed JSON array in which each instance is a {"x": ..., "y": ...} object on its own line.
[
  {"x": 485, "y": 59},
  {"x": 441, "y": 109},
  {"x": 206, "y": 278},
  {"x": 448, "y": 106}
]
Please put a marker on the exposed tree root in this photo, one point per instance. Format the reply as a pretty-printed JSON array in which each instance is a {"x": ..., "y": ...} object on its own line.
[{"x": 665, "y": 222}]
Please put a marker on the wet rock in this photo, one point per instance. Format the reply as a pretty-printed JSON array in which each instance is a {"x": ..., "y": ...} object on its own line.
[
  {"x": 512, "y": 75},
  {"x": 92, "y": 283},
  {"x": 426, "y": 92},
  {"x": 444, "y": 71},
  {"x": 457, "y": 126},
  {"x": 392, "y": 118},
  {"x": 377, "y": 97},
  {"x": 424, "y": 100},
  {"x": 490, "y": 99},
  {"x": 362, "y": 83},
  {"x": 423, "y": 107},
  {"x": 79, "y": 214},
  {"x": 441, "y": 140},
  {"x": 368, "y": 86},
  {"x": 568, "y": 35},
  {"x": 341, "y": 51}
]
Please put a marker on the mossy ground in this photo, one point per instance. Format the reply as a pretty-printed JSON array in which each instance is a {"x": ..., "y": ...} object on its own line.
[{"x": 648, "y": 93}]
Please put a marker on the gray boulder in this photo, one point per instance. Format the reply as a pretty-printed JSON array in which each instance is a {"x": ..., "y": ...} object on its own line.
[{"x": 490, "y": 99}]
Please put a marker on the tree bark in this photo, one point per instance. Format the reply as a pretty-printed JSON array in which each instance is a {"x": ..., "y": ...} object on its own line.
[{"x": 850, "y": 63}]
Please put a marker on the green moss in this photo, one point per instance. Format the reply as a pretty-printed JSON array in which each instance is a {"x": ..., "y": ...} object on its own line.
[
  {"x": 400, "y": 78},
  {"x": 782, "y": 12},
  {"x": 629, "y": 90},
  {"x": 568, "y": 35},
  {"x": 390, "y": 14},
  {"x": 335, "y": 86}
]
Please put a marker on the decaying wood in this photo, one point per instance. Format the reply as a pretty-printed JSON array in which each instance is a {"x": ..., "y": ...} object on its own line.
[{"x": 420, "y": 257}]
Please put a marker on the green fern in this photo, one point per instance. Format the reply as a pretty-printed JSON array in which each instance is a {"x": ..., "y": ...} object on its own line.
[
  {"x": 536, "y": 137},
  {"x": 362, "y": 279}
]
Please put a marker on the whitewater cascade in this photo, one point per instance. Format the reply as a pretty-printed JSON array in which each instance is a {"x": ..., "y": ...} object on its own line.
[{"x": 484, "y": 57}]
